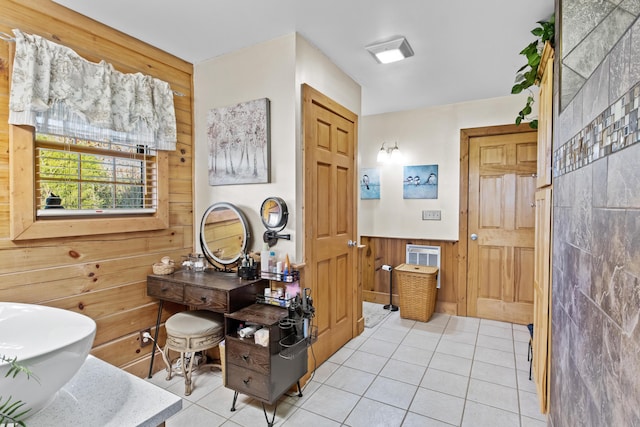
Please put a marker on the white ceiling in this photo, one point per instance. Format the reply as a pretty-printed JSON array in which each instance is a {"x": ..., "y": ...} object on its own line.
[{"x": 464, "y": 49}]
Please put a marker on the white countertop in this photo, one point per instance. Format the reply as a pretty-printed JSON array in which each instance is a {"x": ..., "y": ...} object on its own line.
[{"x": 101, "y": 395}]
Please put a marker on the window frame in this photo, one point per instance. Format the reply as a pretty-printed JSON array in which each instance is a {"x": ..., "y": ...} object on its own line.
[{"x": 24, "y": 223}]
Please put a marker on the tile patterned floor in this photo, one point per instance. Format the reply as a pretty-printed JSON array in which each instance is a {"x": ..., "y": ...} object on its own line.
[{"x": 451, "y": 371}]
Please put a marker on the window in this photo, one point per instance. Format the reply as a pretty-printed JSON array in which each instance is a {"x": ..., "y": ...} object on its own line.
[
  {"x": 77, "y": 176},
  {"x": 26, "y": 223},
  {"x": 95, "y": 127}
]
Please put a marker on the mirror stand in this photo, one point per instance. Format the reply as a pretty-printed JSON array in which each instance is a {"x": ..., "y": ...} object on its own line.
[
  {"x": 216, "y": 265},
  {"x": 271, "y": 237}
]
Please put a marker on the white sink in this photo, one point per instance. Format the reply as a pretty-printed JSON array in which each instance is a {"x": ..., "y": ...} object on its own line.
[{"x": 52, "y": 343}]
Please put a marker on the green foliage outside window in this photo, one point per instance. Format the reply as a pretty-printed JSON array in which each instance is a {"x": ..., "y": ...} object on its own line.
[
  {"x": 90, "y": 181},
  {"x": 64, "y": 167}
]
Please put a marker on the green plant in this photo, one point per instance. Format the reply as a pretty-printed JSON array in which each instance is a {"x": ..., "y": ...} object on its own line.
[
  {"x": 12, "y": 412},
  {"x": 525, "y": 78}
]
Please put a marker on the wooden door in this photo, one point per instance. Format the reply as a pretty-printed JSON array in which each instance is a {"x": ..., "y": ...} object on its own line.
[
  {"x": 542, "y": 297},
  {"x": 542, "y": 274},
  {"x": 330, "y": 218},
  {"x": 502, "y": 186}
]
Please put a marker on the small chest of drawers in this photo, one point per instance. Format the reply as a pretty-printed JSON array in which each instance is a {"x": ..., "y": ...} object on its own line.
[{"x": 256, "y": 370}]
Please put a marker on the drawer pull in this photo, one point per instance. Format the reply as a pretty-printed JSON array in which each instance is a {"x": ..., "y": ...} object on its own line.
[
  {"x": 203, "y": 299},
  {"x": 247, "y": 381},
  {"x": 245, "y": 357}
]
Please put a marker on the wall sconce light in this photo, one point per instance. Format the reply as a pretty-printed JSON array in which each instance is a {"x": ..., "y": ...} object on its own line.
[
  {"x": 392, "y": 50},
  {"x": 389, "y": 153}
]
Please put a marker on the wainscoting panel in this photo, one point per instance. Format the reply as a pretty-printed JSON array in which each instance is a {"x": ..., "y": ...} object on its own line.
[{"x": 392, "y": 251}]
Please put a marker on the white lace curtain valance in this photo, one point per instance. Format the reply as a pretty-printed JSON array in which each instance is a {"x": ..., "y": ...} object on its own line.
[{"x": 53, "y": 87}]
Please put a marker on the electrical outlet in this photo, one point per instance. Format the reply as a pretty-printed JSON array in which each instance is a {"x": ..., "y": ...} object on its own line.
[
  {"x": 431, "y": 215},
  {"x": 145, "y": 341}
]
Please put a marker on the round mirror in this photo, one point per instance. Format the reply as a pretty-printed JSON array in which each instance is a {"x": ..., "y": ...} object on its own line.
[
  {"x": 274, "y": 213},
  {"x": 224, "y": 233}
]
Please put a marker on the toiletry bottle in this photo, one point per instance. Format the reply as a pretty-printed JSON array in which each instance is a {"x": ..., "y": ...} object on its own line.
[
  {"x": 272, "y": 262},
  {"x": 264, "y": 258},
  {"x": 287, "y": 269}
]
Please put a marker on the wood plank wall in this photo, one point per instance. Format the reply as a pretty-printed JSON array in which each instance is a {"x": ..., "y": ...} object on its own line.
[
  {"x": 391, "y": 251},
  {"x": 103, "y": 277}
]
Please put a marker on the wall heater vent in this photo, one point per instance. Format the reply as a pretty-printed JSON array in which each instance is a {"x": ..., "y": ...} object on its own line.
[{"x": 424, "y": 255}]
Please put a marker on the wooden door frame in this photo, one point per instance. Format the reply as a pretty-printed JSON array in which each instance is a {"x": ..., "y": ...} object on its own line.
[{"x": 463, "y": 225}]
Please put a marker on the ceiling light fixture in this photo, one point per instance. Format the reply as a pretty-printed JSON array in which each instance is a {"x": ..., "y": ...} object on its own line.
[
  {"x": 392, "y": 50},
  {"x": 389, "y": 154}
]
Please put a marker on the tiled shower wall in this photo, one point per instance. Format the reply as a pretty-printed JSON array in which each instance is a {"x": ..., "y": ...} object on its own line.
[
  {"x": 595, "y": 355},
  {"x": 592, "y": 27}
]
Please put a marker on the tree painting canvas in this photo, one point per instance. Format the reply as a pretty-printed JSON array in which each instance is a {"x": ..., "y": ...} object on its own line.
[
  {"x": 420, "y": 182},
  {"x": 369, "y": 183},
  {"x": 239, "y": 143}
]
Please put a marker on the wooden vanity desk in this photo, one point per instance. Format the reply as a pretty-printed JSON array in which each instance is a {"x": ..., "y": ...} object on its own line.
[{"x": 206, "y": 290}]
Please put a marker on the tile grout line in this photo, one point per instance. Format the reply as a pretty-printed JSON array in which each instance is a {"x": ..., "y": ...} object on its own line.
[
  {"x": 426, "y": 368},
  {"x": 475, "y": 346},
  {"x": 517, "y": 381}
]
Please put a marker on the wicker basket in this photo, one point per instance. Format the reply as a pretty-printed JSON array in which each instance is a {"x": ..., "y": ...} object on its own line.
[
  {"x": 417, "y": 289},
  {"x": 162, "y": 269}
]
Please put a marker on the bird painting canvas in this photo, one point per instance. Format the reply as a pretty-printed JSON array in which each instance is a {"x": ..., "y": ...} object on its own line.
[
  {"x": 369, "y": 183},
  {"x": 420, "y": 182}
]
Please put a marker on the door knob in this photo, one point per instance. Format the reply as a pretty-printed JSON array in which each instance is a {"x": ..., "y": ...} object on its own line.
[
  {"x": 474, "y": 236},
  {"x": 351, "y": 243}
]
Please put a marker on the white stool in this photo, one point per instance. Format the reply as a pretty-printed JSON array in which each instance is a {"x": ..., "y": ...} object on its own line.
[{"x": 190, "y": 332}]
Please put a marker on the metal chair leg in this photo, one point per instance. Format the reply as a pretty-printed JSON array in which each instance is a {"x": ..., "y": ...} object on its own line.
[
  {"x": 530, "y": 358},
  {"x": 166, "y": 358},
  {"x": 187, "y": 373},
  {"x": 530, "y": 350}
]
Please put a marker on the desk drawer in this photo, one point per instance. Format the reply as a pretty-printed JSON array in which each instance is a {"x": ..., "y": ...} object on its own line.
[
  {"x": 213, "y": 299},
  {"x": 248, "y": 382},
  {"x": 248, "y": 356},
  {"x": 164, "y": 290}
]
